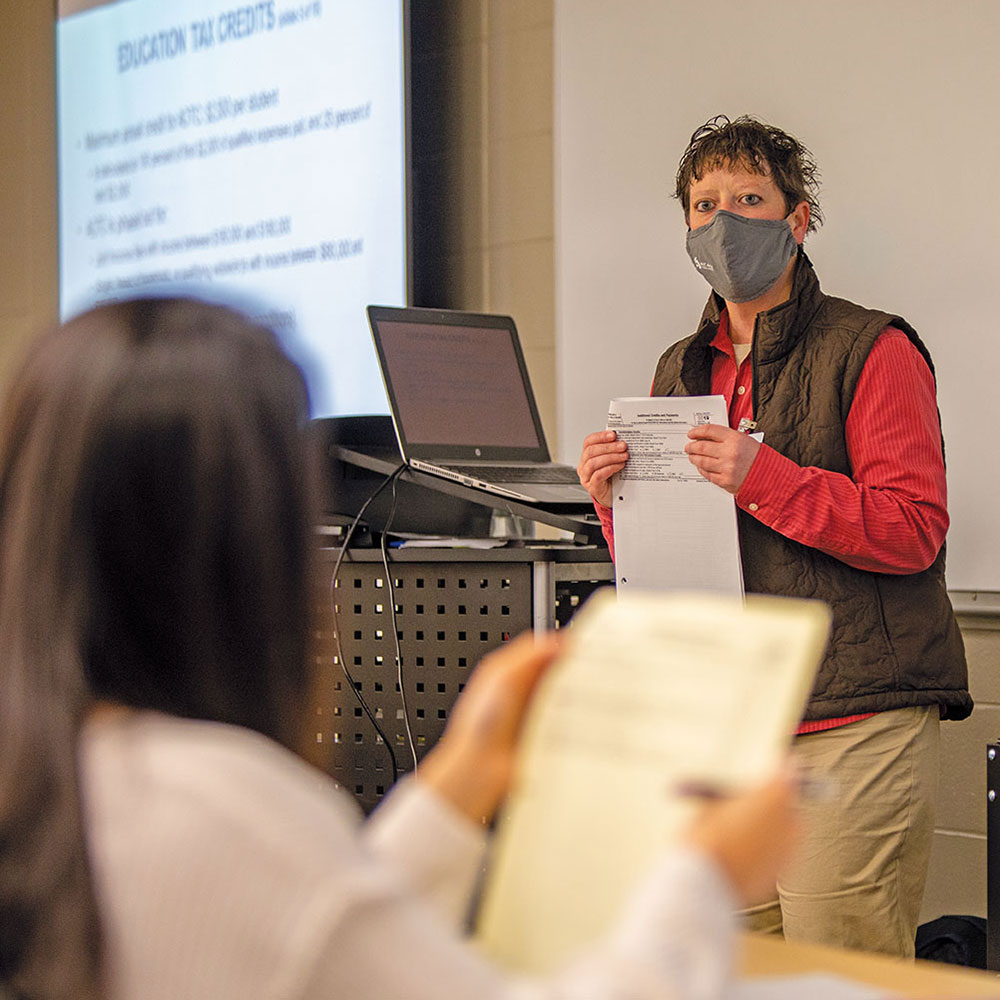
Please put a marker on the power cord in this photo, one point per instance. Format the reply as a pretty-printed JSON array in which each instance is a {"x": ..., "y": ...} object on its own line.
[
  {"x": 391, "y": 478},
  {"x": 395, "y": 630}
]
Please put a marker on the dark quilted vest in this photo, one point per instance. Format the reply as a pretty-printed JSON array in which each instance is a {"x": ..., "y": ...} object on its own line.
[{"x": 895, "y": 641}]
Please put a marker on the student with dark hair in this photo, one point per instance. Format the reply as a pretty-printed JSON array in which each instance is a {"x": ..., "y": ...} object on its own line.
[
  {"x": 159, "y": 835},
  {"x": 834, "y": 456}
]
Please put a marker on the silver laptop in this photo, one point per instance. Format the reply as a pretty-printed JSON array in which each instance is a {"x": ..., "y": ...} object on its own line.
[{"x": 462, "y": 403}]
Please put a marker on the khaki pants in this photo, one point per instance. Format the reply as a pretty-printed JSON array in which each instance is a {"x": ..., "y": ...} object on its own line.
[{"x": 858, "y": 878}]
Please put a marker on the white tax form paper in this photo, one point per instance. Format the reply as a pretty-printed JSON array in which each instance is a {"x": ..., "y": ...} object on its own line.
[{"x": 674, "y": 530}]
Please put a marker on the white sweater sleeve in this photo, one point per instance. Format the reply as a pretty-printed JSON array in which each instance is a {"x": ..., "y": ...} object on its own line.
[
  {"x": 433, "y": 849},
  {"x": 678, "y": 928},
  {"x": 673, "y": 942}
]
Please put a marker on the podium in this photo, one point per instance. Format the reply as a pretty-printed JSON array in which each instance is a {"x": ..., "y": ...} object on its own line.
[{"x": 448, "y": 606}]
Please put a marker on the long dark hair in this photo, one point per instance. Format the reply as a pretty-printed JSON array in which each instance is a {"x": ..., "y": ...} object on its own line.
[{"x": 156, "y": 506}]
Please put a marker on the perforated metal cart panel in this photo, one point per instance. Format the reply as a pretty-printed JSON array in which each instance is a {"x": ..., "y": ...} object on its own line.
[{"x": 448, "y": 615}]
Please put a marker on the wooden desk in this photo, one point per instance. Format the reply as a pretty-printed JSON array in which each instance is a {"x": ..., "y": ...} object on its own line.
[{"x": 767, "y": 955}]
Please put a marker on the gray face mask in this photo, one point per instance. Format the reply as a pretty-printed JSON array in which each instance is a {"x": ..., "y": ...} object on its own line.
[{"x": 741, "y": 258}]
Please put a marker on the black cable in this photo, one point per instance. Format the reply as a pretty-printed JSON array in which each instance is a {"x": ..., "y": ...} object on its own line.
[
  {"x": 391, "y": 478},
  {"x": 395, "y": 630}
]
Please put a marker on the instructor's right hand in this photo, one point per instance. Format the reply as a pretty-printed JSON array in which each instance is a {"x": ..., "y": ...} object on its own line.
[{"x": 603, "y": 455}]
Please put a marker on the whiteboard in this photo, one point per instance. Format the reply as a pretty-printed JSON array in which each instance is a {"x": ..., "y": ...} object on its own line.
[{"x": 899, "y": 101}]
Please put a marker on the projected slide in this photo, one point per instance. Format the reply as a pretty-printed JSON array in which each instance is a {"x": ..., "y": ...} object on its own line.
[{"x": 248, "y": 153}]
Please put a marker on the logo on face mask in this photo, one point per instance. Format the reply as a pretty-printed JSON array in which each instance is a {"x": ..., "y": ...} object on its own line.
[{"x": 702, "y": 265}]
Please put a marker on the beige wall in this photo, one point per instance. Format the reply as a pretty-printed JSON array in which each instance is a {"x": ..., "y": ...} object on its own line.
[
  {"x": 957, "y": 882},
  {"x": 499, "y": 250},
  {"x": 28, "y": 271},
  {"x": 496, "y": 162}
]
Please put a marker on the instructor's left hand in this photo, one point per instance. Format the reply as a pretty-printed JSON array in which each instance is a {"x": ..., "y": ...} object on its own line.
[{"x": 723, "y": 456}]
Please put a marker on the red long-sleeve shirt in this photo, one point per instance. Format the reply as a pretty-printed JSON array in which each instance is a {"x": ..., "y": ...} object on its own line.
[{"x": 890, "y": 515}]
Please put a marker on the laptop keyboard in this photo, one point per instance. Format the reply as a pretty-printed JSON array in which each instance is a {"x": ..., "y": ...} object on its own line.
[{"x": 519, "y": 473}]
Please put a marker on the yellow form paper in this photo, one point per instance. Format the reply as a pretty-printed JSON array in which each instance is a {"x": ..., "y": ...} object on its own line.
[{"x": 652, "y": 691}]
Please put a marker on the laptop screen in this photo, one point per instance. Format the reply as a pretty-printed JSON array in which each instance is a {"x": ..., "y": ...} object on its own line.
[{"x": 457, "y": 385}]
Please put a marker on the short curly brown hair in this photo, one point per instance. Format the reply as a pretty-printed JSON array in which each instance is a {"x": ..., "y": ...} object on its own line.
[{"x": 758, "y": 147}]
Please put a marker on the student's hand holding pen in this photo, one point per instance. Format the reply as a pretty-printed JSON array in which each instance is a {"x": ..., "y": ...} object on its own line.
[{"x": 751, "y": 835}]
